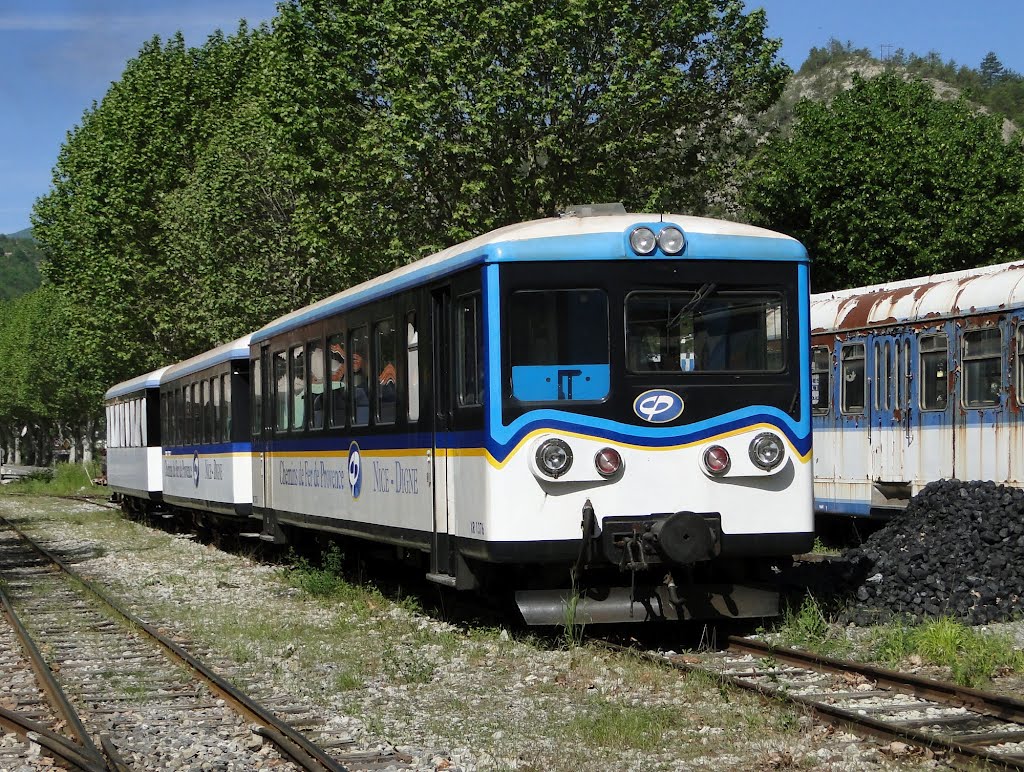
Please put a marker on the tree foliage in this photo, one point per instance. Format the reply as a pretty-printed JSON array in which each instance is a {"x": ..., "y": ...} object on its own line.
[
  {"x": 19, "y": 266},
  {"x": 887, "y": 182},
  {"x": 215, "y": 188}
]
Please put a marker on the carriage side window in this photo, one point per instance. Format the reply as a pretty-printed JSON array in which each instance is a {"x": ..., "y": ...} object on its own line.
[
  {"x": 384, "y": 370},
  {"x": 1020, "y": 365},
  {"x": 143, "y": 428},
  {"x": 315, "y": 377},
  {"x": 558, "y": 341},
  {"x": 358, "y": 344},
  {"x": 197, "y": 414},
  {"x": 821, "y": 380},
  {"x": 412, "y": 353},
  {"x": 339, "y": 384},
  {"x": 206, "y": 414},
  {"x": 216, "y": 433},
  {"x": 225, "y": 390},
  {"x": 179, "y": 416},
  {"x": 298, "y": 385},
  {"x": 934, "y": 357},
  {"x": 257, "y": 397},
  {"x": 469, "y": 360},
  {"x": 982, "y": 357},
  {"x": 854, "y": 385},
  {"x": 187, "y": 423},
  {"x": 281, "y": 391}
]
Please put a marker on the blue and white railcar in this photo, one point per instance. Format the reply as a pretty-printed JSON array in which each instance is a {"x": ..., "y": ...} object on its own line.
[
  {"x": 133, "y": 440},
  {"x": 206, "y": 457},
  {"x": 615, "y": 402},
  {"x": 916, "y": 381}
]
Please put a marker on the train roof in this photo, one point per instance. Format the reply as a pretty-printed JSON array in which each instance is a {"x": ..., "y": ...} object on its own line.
[
  {"x": 988, "y": 289},
  {"x": 138, "y": 383},
  {"x": 236, "y": 349},
  {"x": 593, "y": 237}
]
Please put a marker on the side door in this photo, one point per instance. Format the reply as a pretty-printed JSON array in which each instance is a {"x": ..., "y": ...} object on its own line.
[
  {"x": 268, "y": 413},
  {"x": 854, "y": 427},
  {"x": 442, "y": 428}
]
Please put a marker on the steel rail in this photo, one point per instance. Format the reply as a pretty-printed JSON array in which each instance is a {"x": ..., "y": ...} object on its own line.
[
  {"x": 986, "y": 703},
  {"x": 300, "y": 749},
  {"x": 61, "y": 747},
  {"x": 58, "y": 699},
  {"x": 962, "y": 752}
]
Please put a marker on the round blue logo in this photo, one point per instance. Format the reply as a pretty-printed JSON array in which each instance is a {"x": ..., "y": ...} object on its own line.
[
  {"x": 355, "y": 470},
  {"x": 658, "y": 406},
  {"x": 195, "y": 468}
]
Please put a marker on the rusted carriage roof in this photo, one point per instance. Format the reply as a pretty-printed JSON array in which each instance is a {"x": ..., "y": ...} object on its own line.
[{"x": 974, "y": 291}]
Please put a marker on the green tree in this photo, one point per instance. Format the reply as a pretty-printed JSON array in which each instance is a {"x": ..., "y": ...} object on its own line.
[
  {"x": 888, "y": 182},
  {"x": 991, "y": 69}
]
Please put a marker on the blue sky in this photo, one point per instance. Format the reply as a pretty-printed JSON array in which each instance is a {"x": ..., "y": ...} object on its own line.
[{"x": 58, "y": 56}]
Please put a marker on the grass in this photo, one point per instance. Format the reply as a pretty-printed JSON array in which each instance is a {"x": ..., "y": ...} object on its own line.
[
  {"x": 807, "y": 627},
  {"x": 605, "y": 724},
  {"x": 972, "y": 656},
  {"x": 63, "y": 480}
]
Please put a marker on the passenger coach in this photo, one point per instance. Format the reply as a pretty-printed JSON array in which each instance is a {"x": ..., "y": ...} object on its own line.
[
  {"x": 133, "y": 439},
  {"x": 916, "y": 381},
  {"x": 206, "y": 456},
  {"x": 613, "y": 403}
]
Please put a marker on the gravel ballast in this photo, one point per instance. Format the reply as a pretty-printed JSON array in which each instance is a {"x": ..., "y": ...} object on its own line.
[{"x": 455, "y": 698}]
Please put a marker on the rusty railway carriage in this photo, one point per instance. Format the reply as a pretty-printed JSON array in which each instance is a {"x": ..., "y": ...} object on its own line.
[
  {"x": 916, "y": 381},
  {"x": 618, "y": 398},
  {"x": 133, "y": 439}
]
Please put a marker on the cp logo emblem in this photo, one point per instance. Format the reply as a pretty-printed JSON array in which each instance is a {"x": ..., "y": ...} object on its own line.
[{"x": 658, "y": 406}]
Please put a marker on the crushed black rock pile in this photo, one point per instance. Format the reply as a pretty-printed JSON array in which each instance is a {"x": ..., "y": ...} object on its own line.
[{"x": 956, "y": 551}]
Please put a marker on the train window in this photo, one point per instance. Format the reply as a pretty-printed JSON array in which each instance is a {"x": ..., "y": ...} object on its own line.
[
  {"x": 280, "y": 391},
  {"x": 854, "y": 387},
  {"x": 197, "y": 415},
  {"x": 358, "y": 343},
  {"x": 412, "y": 353},
  {"x": 257, "y": 397},
  {"x": 217, "y": 433},
  {"x": 384, "y": 368},
  {"x": 179, "y": 412},
  {"x": 880, "y": 373},
  {"x": 339, "y": 387},
  {"x": 934, "y": 356},
  {"x": 469, "y": 360},
  {"x": 1020, "y": 365},
  {"x": 821, "y": 372},
  {"x": 704, "y": 331},
  {"x": 297, "y": 380},
  {"x": 143, "y": 429},
  {"x": 899, "y": 376},
  {"x": 315, "y": 377},
  {"x": 187, "y": 423},
  {"x": 982, "y": 357},
  {"x": 205, "y": 414},
  {"x": 559, "y": 344},
  {"x": 225, "y": 390}
]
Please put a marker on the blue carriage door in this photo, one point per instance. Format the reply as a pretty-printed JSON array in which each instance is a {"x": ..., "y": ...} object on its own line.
[
  {"x": 980, "y": 440},
  {"x": 890, "y": 436},
  {"x": 853, "y": 446},
  {"x": 443, "y": 428}
]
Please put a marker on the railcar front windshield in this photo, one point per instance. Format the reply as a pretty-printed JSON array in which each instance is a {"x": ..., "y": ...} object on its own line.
[
  {"x": 559, "y": 344},
  {"x": 705, "y": 330}
]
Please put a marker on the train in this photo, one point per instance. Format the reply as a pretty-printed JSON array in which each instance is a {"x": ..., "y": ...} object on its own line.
[
  {"x": 605, "y": 415},
  {"x": 915, "y": 381}
]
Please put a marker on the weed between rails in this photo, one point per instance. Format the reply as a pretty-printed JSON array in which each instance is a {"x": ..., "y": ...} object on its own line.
[{"x": 973, "y": 656}]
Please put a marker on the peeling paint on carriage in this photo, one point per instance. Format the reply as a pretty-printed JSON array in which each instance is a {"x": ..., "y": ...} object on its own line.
[{"x": 896, "y": 443}]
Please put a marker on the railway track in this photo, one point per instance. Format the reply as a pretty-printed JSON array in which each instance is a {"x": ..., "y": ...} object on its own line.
[
  {"x": 92, "y": 685},
  {"x": 966, "y": 726}
]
